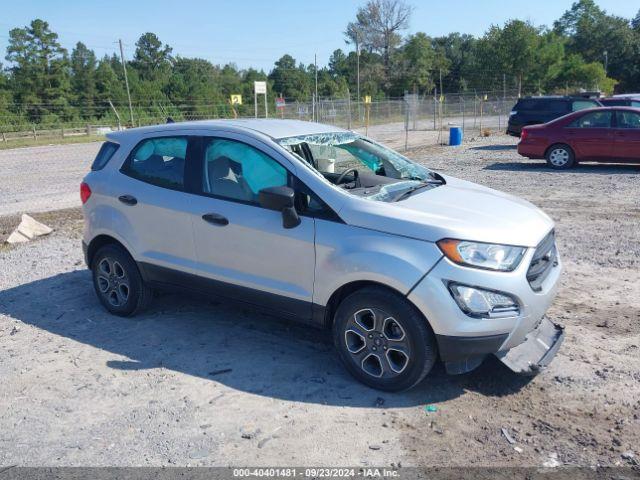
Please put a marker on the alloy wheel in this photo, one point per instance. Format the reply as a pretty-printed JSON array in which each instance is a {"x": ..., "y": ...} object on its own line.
[
  {"x": 377, "y": 343},
  {"x": 113, "y": 282}
]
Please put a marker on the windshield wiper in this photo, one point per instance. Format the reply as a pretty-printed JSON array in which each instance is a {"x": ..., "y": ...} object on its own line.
[{"x": 409, "y": 192}]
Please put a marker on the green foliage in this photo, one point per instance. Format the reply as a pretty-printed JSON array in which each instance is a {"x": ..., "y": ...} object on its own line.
[
  {"x": 39, "y": 77},
  {"x": 602, "y": 38},
  {"x": 586, "y": 48},
  {"x": 151, "y": 60},
  {"x": 291, "y": 81}
]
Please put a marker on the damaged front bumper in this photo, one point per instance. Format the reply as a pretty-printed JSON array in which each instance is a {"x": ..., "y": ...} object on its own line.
[
  {"x": 540, "y": 345},
  {"x": 538, "y": 349}
]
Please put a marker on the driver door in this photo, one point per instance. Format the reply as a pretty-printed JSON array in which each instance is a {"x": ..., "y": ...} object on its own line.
[{"x": 242, "y": 249}]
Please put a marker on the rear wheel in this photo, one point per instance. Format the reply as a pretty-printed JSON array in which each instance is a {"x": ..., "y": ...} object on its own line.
[
  {"x": 382, "y": 340},
  {"x": 118, "y": 283},
  {"x": 560, "y": 157}
]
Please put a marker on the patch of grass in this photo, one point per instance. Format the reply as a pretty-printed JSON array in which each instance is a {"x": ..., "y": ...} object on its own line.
[{"x": 30, "y": 142}]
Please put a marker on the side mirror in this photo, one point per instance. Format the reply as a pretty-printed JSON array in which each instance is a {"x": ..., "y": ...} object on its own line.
[{"x": 281, "y": 199}]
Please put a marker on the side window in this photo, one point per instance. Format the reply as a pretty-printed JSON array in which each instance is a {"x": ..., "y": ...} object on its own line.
[
  {"x": 557, "y": 106},
  {"x": 593, "y": 120},
  {"x": 159, "y": 161},
  {"x": 239, "y": 171},
  {"x": 583, "y": 104},
  {"x": 628, "y": 119},
  {"x": 104, "y": 155}
]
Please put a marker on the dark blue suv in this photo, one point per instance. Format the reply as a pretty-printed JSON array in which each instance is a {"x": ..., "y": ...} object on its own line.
[{"x": 535, "y": 110}]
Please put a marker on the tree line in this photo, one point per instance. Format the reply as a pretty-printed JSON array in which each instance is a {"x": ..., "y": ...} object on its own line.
[{"x": 586, "y": 48}]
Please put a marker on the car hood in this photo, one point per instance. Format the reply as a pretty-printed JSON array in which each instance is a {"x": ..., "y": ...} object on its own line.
[{"x": 458, "y": 209}]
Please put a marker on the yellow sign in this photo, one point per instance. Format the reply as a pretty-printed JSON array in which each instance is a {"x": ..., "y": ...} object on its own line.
[
  {"x": 441, "y": 98},
  {"x": 236, "y": 99},
  {"x": 367, "y": 99}
]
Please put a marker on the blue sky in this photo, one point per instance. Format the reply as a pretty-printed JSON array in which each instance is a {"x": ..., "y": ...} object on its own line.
[{"x": 256, "y": 33}]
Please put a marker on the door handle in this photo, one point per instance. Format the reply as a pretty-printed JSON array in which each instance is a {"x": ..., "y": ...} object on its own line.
[
  {"x": 215, "y": 219},
  {"x": 128, "y": 199}
]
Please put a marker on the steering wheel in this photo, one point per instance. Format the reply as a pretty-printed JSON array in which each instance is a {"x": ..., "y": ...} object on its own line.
[{"x": 347, "y": 172}]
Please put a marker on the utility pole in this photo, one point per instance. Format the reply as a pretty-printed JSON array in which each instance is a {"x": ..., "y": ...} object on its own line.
[
  {"x": 315, "y": 63},
  {"x": 606, "y": 61},
  {"x": 358, "y": 73},
  {"x": 126, "y": 80}
]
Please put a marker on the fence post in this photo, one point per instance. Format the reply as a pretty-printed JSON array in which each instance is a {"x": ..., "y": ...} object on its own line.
[
  {"x": 62, "y": 132},
  {"x": 463, "y": 115},
  {"x": 35, "y": 135},
  {"x": 4, "y": 138},
  {"x": 88, "y": 130},
  {"x": 434, "y": 112}
]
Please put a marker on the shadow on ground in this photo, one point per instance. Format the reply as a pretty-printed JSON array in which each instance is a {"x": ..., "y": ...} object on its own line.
[
  {"x": 541, "y": 166},
  {"x": 244, "y": 350},
  {"x": 494, "y": 148}
]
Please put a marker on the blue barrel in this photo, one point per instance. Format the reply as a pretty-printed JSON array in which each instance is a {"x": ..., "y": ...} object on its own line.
[{"x": 455, "y": 136}]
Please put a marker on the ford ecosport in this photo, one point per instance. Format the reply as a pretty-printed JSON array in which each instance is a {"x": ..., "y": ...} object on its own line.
[{"x": 405, "y": 265}]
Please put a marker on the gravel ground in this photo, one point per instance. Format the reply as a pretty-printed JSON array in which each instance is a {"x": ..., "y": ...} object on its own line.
[{"x": 192, "y": 382}]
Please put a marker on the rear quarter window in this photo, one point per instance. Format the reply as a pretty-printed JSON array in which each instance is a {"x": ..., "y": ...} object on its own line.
[
  {"x": 104, "y": 155},
  {"x": 583, "y": 104}
]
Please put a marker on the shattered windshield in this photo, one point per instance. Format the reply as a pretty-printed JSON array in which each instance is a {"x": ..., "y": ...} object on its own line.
[{"x": 355, "y": 163}]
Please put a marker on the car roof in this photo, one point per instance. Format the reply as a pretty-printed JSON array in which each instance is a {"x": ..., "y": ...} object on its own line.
[
  {"x": 272, "y": 127},
  {"x": 579, "y": 113},
  {"x": 546, "y": 97}
]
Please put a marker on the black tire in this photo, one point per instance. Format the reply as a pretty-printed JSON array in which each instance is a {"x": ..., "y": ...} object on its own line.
[
  {"x": 560, "y": 157},
  {"x": 122, "y": 275},
  {"x": 387, "y": 310}
]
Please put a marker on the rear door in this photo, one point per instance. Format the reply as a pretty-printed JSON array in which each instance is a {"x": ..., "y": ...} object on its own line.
[
  {"x": 152, "y": 204},
  {"x": 591, "y": 135},
  {"x": 553, "y": 108},
  {"x": 243, "y": 250},
  {"x": 627, "y": 135}
]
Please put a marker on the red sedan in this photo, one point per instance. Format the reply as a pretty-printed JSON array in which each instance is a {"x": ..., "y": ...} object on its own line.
[{"x": 606, "y": 134}]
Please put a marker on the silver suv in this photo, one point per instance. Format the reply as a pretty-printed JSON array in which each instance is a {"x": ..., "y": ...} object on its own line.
[{"x": 304, "y": 220}]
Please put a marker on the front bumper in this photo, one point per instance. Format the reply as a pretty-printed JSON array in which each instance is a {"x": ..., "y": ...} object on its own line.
[
  {"x": 464, "y": 341},
  {"x": 537, "y": 351}
]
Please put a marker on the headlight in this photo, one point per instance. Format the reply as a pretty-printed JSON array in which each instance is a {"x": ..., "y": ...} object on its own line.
[
  {"x": 478, "y": 302},
  {"x": 491, "y": 256}
]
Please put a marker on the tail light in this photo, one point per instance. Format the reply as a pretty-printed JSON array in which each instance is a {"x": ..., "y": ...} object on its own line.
[
  {"x": 85, "y": 192},
  {"x": 524, "y": 134}
]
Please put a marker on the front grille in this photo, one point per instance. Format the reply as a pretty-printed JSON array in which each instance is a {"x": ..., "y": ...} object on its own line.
[{"x": 543, "y": 261}]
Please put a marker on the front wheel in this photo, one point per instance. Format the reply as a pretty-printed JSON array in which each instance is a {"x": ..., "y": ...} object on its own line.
[
  {"x": 382, "y": 340},
  {"x": 560, "y": 157}
]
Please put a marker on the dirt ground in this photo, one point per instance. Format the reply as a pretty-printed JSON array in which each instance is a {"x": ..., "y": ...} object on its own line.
[{"x": 192, "y": 382}]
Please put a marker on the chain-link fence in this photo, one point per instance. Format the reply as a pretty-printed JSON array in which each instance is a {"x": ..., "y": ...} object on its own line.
[{"x": 475, "y": 114}]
